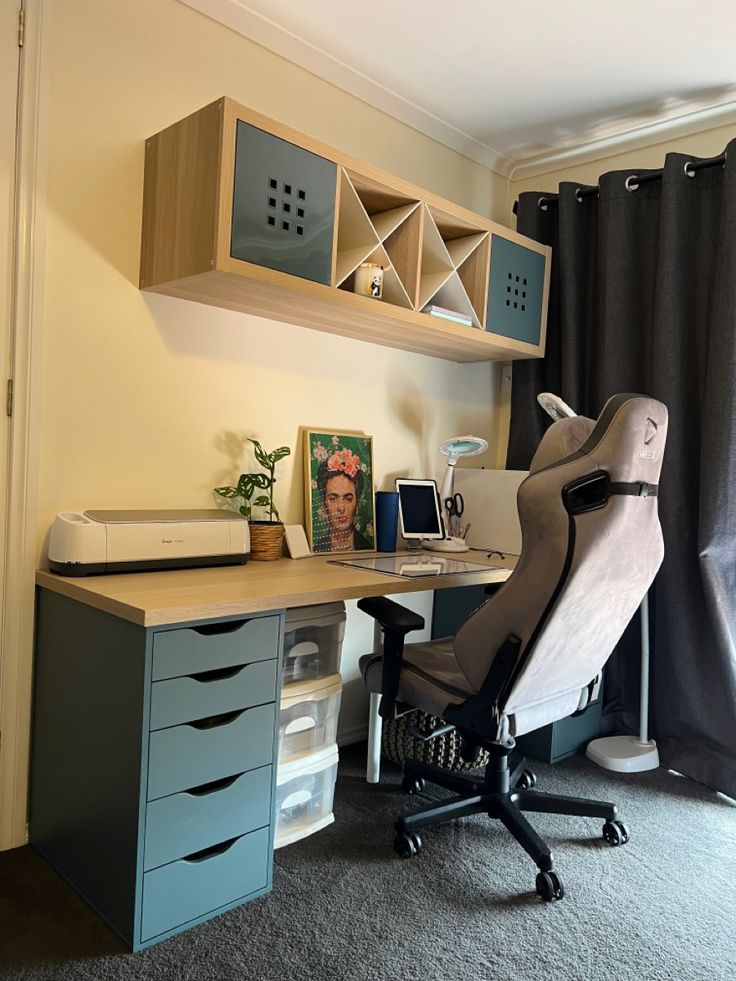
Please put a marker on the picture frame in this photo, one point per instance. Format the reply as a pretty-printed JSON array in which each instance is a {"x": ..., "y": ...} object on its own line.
[{"x": 339, "y": 496}]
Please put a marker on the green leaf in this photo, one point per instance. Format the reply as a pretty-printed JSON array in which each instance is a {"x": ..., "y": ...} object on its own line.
[
  {"x": 279, "y": 454},
  {"x": 260, "y": 453},
  {"x": 245, "y": 511},
  {"x": 262, "y": 501},
  {"x": 245, "y": 485},
  {"x": 227, "y": 491},
  {"x": 261, "y": 480}
]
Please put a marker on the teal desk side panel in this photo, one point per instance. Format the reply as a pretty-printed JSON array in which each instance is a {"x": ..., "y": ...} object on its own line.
[
  {"x": 89, "y": 741},
  {"x": 515, "y": 291}
]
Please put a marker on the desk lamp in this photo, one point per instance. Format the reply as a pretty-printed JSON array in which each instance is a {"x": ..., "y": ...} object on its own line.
[
  {"x": 625, "y": 754},
  {"x": 453, "y": 449}
]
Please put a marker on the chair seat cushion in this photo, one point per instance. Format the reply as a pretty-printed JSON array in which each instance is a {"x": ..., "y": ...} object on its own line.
[{"x": 430, "y": 677}]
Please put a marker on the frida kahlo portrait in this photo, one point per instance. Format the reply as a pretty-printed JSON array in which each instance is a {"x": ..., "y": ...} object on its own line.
[{"x": 339, "y": 491}]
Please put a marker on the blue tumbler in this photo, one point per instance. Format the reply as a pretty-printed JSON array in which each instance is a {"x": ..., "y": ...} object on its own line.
[{"x": 387, "y": 520}]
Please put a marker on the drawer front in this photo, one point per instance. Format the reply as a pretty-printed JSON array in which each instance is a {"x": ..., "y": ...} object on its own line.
[
  {"x": 515, "y": 291},
  {"x": 192, "y": 650},
  {"x": 188, "y": 822},
  {"x": 191, "y": 755},
  {"x": 190, "y": 888},
  {"x": 212, "y": 693},
  {"x": 283, "y": 205}
]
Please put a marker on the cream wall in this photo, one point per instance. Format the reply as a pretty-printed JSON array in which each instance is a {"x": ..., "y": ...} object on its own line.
[{"x": 141, "y": 394}]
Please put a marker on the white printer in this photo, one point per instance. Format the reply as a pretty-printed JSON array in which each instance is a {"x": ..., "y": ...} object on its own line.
[{"x": 93, "y": 542}]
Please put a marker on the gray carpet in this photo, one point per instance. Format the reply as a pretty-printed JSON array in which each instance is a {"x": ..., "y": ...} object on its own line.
[{"x": 344, "y": 907}]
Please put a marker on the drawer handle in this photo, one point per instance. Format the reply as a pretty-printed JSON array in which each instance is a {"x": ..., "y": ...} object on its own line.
[
  {"x": 217, "y": 674},
  {"x": 214, "y": 721},
  {"x": 209, "y": 629},
  {"x": 212, "y": 788},
  {"x": 210, "y": 852}
]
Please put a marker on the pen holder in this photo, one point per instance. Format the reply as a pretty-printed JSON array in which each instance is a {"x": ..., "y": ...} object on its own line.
[{"x": 387, "y": 520}]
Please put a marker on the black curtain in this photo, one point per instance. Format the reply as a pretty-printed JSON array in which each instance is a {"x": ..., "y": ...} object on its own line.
[{"x": 643, "y": 299}]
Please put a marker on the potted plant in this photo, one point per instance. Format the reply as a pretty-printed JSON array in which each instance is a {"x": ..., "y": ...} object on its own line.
[{"x": 267, "y": 535}]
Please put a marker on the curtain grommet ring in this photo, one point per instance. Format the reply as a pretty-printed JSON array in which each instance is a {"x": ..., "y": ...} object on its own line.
[
  {"x": 688, "y": 172},
  {"x": 578, "y": 195},
  {"x": 631, "y": 183},
  {"x": 543, "y": 204}
]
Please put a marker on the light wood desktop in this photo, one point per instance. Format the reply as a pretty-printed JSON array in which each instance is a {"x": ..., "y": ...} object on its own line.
[{"x": 156, "y": 598}]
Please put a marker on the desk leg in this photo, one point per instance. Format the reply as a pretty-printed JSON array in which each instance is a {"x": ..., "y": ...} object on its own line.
[
  {"x": 375, "y": 722},
  {"x": 375, "y": 725}
]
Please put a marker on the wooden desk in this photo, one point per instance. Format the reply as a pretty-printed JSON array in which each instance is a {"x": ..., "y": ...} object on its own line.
[
  {"x": 155, "y": 731},
  {"x": 156, "y": 598}
]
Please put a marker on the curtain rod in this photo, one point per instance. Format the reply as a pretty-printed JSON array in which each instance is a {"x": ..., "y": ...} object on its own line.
[{"x": 632, "y": 182}]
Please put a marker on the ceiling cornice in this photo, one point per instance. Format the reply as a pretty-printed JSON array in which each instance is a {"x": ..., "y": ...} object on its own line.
[
  {"x": 239, "y": 17},
  {"x": 635, "y": 138},
  {"x": 268, "y": 34}
]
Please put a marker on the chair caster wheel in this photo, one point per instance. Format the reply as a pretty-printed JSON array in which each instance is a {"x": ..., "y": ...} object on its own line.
[
  {"x": 526, "y": 780},
  {"x": 550, "y": 887},
  {"x": 412, "y": 785},
  {"x": 408, "y": 844},
  {"x": 615, "y": 833}
]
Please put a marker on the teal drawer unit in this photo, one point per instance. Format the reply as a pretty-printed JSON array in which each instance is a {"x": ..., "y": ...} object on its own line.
[{"x": 153, "y": 762}]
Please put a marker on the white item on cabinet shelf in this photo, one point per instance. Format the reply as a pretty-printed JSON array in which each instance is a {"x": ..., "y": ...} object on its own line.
[
  {"x": 308, "y": 717},
  {"x": 313, "y": 638},
  {"x": 305, "y": 791}
]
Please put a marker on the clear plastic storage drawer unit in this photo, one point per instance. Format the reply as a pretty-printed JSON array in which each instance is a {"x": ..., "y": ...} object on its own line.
[
  {"x": 313, "y": 641},
  {"x": 304, "y": 793},
  {"x": 308, "y": 716}
]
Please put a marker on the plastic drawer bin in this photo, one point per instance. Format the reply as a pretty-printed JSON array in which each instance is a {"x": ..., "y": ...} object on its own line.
[
  {"x": 313, "y": 641},
  {"x": 308, "y": 717},
  {"x": 304, "y": 792}
]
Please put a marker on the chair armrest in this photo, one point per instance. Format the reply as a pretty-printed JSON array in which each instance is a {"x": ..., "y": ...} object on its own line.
[
  {"x": 396, "y": 622},
  {"x": 391, "y": 616}
]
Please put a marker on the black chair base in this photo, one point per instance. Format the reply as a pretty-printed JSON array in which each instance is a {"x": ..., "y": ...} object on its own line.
[{"x": 504, "y": 794}]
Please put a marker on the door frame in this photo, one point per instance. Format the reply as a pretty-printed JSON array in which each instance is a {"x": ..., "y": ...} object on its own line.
[{"x": 21, "y": 515}]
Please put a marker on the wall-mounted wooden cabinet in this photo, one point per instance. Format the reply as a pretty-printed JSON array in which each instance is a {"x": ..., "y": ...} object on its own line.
[{"x": 244, "y": 213}]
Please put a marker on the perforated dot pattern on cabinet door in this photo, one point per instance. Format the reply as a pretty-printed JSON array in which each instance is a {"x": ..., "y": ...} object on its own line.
[
  {"x": 283, "y": 205},
  {"x": 515, "y": 291}
]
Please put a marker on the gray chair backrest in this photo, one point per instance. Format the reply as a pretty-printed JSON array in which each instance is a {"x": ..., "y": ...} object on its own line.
[{"x": 580, "y": 578}]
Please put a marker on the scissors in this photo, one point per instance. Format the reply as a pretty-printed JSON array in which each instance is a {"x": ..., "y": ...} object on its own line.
[{"x": 455, "y": 506}]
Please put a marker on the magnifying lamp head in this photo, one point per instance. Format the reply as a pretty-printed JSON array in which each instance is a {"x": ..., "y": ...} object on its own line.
[
  {"x": 463, "y": 446},
  {"x": 554, "y": 406}
]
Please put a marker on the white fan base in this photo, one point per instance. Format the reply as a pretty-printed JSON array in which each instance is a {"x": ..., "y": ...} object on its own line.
[
  {"x": 624, "y": 754},
  {"x": 445, "y": 545}
]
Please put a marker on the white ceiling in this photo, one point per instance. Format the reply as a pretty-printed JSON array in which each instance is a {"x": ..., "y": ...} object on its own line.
[{"x": 520, "y": 88}]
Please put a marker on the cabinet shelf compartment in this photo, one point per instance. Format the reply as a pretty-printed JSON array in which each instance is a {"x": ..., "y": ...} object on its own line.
[{"x": 197, "y": 244}]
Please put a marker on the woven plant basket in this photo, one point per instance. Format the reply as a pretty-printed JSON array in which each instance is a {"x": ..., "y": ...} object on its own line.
[
  {"x": 266, "y": 540},
  {"x": 397, "y": 744}
]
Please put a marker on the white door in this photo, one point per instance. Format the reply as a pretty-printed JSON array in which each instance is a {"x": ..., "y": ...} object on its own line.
[{"x": 9, "y": 67}]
